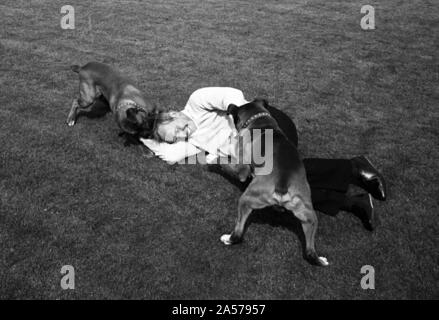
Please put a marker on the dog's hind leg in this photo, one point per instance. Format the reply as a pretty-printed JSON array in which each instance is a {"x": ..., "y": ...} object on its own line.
[
  {"x": 307, "y": 216},
  {"x": 236, "y": 236},
  {"x": 253, "y": 198}
]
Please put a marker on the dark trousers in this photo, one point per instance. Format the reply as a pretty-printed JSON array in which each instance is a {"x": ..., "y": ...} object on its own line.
[{"x": 329, "y": 179}]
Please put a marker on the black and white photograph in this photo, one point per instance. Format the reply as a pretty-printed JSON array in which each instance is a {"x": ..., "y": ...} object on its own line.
[{"x": 234, "y": 152}]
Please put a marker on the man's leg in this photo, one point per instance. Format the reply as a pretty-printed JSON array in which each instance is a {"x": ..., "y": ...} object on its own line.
[
  {"x": 334, "y": 174},
  {"x": 331, "y": 202},
  {"x": 329, "y": 174},
  {"x": 338, "y": 174},
  {"x": 330, "y": 179},
  {"x": 327, "y": 201}
]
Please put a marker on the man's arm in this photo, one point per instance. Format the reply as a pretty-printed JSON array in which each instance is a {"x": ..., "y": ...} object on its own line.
[
  {"x": 215, "y": 99},
  {"x": 171, "y": 152}
]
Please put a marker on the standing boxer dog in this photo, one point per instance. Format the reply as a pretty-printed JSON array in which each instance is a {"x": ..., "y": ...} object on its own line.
[
  {"x": 133, "y": 115},
  {"x": 286, "y": 185}
]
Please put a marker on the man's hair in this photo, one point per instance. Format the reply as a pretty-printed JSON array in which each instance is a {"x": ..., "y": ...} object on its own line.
[{"x": 162, "y": 117}]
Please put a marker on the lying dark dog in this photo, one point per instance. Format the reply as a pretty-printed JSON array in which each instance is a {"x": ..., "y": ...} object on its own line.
[
  {"x": 286, "y": 185},
  {"x": 133, "y": 115}
]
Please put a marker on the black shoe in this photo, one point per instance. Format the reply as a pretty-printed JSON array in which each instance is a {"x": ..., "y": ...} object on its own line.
[
  {"x": 369, "y": 178},
  {"x": 362, "y": 206}
]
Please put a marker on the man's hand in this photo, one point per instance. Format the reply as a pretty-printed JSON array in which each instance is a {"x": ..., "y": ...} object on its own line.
[{"x": 171, "y": 152}]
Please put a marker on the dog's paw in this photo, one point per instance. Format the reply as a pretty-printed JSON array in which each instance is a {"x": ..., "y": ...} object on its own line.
[
  {"x": 314, "y": 259},
  {"x": 70, "y": 123},
  {"x": 323, "y": 261},
  {"x": 225, "y": 238}
]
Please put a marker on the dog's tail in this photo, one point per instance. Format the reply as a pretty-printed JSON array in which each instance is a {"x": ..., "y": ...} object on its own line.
[
  {"x": 75, "y": 68},
  {"x": 283, "y": 182},
  {"x": 281, "y": 189}
]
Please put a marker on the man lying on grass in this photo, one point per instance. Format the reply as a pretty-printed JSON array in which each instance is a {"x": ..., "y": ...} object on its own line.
[{"x": 203, "y": 126}]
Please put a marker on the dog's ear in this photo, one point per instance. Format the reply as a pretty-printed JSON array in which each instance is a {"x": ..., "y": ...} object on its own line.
[
  {"x": 131, "y": 115},
  {"x": 262, "y": 102},
  {"x": 231, "y": 109},
  {"x": 156, "y": 108},
  {"x": 244, "y": 173}
]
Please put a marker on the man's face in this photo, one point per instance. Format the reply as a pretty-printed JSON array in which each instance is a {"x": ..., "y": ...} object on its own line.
[{"x": 178, "y": 128}]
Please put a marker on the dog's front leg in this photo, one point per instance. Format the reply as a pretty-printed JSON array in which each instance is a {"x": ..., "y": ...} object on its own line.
[{"x": 71, "y": 118}]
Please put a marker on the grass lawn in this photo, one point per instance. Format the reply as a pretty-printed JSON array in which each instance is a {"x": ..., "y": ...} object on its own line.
[{"x": 138, "y": 228}]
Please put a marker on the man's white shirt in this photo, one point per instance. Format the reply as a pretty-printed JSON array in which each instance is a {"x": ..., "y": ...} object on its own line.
[{"x": 214, "y": 128}]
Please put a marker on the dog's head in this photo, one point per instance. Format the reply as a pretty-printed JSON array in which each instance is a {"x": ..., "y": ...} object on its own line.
[
  {"x": 139, "y": 122},
  {"x": 243, "y": 113}
]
